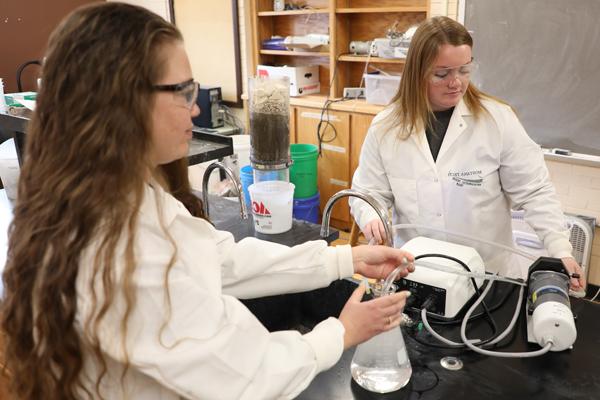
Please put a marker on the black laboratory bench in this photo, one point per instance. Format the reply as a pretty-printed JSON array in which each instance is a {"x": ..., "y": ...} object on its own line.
[
  {"x": 204, "y": 146},
  {"x": 299, "y": 311},
  {"x": 225, "y": 215},
  {"x": 572, "y": 374}
]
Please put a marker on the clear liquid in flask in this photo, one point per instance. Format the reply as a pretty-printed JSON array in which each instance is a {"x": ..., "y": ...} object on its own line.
[{"x": 381, "y": 364}]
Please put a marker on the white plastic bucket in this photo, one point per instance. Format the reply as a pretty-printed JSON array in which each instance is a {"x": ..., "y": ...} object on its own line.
[
  {"x": 272, "y": 205},
  {"x": 9, "y": 168},
  {"x": 241, "y": 147}
]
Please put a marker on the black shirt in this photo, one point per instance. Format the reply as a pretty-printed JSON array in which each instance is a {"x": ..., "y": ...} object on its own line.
[{"x": 439, "y": 126}]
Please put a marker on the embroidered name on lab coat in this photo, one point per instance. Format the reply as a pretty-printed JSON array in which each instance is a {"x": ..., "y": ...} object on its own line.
[{"x": 469, "y": 178}]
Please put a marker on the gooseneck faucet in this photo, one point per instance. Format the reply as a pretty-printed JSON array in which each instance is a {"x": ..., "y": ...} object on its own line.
[
  {"x": 238, "y": 186},
  {"x": 370, "y": 200}
]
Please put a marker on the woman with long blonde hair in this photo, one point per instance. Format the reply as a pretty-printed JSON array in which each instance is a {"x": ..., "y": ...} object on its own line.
[
  {"x": 112, "y": 289},
  {"x": 445, "y": 155}
]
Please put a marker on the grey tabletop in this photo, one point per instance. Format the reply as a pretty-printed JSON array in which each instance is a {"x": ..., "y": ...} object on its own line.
[{"x": 225, "y": 215}]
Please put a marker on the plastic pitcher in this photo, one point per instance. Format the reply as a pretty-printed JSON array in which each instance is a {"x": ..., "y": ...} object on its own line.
[{"x": 272, "y": 206}]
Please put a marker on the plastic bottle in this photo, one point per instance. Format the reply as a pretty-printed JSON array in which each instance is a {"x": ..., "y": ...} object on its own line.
[{"x": 3, "y": 109}]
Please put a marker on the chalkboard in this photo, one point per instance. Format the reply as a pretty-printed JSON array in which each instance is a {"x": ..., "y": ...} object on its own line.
[{"x": 542, "y": 57}]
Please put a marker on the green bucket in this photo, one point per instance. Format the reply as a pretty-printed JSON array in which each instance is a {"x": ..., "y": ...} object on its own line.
[{"x": 303, "y": 172}]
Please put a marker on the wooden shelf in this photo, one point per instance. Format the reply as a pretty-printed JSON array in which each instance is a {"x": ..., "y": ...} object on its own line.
[
  {"x": 293, "y": 12},
  {"x": 362, "y": 59},
  {"x": 380, "y": 10},
  {"x": 353, "y": 106},
  {"x": 295, "y": 53}
]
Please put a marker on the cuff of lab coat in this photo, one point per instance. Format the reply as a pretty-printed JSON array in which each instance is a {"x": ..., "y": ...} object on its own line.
[
  {"x": 339, "y": 260},
  {"x": 327, "y": 340},
  {"x": 558, "y": 245}
]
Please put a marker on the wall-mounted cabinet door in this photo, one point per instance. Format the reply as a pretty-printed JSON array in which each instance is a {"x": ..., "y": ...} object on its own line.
[
  {"x": 358, "y": 132},
  {"x": 334, "y": 162}
]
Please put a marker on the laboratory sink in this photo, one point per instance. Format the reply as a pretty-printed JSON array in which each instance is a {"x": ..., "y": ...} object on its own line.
[{"x": 301, "y": 311}]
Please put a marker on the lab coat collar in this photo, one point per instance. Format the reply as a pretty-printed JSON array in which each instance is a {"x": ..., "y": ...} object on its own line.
[{"x": 457, "y": 126}]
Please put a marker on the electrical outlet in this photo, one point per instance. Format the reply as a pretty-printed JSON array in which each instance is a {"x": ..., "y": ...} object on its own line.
[{"x": 354, "y": 93}]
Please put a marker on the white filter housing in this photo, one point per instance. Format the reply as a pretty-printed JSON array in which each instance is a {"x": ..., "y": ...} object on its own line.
[
  {"x": 459, "y": 289},
  {"x": 553, "y": 322}
]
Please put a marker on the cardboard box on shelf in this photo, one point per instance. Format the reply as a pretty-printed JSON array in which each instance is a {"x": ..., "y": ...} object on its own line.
[{"x": 303, "y": 80}]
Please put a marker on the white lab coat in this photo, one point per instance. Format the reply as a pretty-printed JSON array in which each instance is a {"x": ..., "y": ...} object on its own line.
[
  {"x": 212, "y": 347},
  {"x": 484, "y": 168}
]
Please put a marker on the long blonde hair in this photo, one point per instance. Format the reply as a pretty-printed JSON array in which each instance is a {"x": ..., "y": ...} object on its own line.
[
  {"x": 82, "y": 181},
  {"x": 411, "y": 110}
]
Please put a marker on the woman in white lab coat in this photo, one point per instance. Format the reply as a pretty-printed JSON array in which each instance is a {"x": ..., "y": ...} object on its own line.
[
  {"x": 112, "y": 288},
  {"x": 445, "y": 155}
]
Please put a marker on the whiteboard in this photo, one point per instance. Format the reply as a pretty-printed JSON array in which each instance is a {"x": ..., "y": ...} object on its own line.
[{"x": 542, "y": 57}]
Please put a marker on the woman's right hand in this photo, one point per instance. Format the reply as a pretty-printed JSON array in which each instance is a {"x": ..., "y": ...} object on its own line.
[
  {"x": 375, "y": 230},
  {"x": 363, "y": 320}
]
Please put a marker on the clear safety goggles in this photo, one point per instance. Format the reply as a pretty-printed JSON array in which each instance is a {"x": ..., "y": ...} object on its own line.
[
  {"x": 441, "y": 76},
  {"x": 185, "y": 93}
]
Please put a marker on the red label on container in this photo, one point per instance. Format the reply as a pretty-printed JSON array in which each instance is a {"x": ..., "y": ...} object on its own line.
[{"x": 260, "y": 209}]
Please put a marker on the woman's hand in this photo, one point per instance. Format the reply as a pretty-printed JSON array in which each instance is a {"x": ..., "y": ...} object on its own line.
[
  {"x": 374, "y": 231},
  {"x": 575, "y": 272},
  {"x": 379, "y": 261},
  {"x": 363, "y": 320}
]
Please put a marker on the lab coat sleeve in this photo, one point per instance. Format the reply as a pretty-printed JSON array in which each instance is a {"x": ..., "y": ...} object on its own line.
[
  {"x": 213, "y": 348},
  {"x": 526, "y": 182},
  {"x": 370, "y": 176},
  {"x": 203, "y": 344},
  {"x": 253, "y": 267}
]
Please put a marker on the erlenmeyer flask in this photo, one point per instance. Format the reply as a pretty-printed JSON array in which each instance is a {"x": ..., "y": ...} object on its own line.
[{"x": 381, "y": 364}]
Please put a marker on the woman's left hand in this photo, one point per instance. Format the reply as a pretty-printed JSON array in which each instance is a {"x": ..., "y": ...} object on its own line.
[
  {"x": 379, "y": 261},
  {"x": 575, "y": 272}
]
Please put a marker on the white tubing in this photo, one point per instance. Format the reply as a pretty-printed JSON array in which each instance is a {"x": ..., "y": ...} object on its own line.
[
  {"x": 497, "y": 245},
  {"x": 463, "y": 336}
]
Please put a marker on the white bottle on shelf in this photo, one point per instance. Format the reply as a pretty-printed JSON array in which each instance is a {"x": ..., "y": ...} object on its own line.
[
  {"x": 278, "y": 5},
  {"x": 3, "y": 109}
]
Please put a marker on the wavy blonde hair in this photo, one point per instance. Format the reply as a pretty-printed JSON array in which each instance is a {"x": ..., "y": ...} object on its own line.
[
  {"x": 410, "y": 108},
  {"x": 82, "y": 181}
]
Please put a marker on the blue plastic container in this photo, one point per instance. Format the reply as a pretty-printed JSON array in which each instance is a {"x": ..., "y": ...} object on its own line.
[
  {"x": 247, "y": 179},
  {"x": 307, "y": 209}
]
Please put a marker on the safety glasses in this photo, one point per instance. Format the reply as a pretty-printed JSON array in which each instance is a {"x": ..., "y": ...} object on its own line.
[
  {"x": 185, "y": 93},
  {"x": 441, "y": 76}
]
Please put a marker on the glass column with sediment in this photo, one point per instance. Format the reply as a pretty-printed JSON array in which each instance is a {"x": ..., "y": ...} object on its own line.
[{"x": 269, "y": 99}]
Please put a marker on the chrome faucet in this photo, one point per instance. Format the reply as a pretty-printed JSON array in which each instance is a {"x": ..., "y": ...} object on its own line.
[
  {"x": 372, "y": 201},
  {"x": 238, "y": 186}
]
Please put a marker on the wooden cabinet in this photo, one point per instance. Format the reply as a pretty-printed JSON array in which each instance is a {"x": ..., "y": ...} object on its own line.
[
  {"x": 345, "y": 21},
  {"x": 334, "y": 158},
  {"x": 341, "y": 141}
]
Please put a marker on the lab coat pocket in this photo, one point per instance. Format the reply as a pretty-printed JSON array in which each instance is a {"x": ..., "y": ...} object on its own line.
[{"x": 405, "y": 199}]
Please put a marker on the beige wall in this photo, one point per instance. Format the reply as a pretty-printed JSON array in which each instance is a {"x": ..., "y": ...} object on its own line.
[{"x": 207, "y": 28}]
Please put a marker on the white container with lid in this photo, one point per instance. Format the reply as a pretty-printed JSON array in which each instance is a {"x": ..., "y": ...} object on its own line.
[{"x": 381, "y": 89}]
